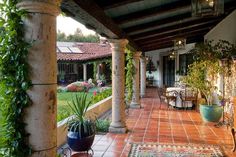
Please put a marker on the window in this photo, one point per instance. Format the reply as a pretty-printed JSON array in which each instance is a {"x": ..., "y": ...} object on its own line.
[
  {"x": 66, "y": 68},
  {"x": 184, "y": 61}
]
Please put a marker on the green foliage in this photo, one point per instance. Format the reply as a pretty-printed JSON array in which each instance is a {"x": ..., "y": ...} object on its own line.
[
  {"x": 102, "y": 125},
  {"x": 201, "y": 75},
  {"x": 63, "y": 111},
  {"x": 79, "y": 123},
  {"x": 95, "y": 64},
  {"x": 130, "y": 71},
  {"x": 214, "y": 51},
  {"x": 203, "y": 72},
  {"x": 100, "y": 96},
  {"x": 77, "y": 37},
  {"x": 15, "y": 81}
]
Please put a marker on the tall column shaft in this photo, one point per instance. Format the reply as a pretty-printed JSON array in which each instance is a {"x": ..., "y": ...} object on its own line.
[
  {"x": 142, "y": 76},
  {"x": 40, "y": 27},
  {"x": 118, "y": 86},
  {"x": 85, "y": 72},
  {"x": 135, "y": 103}
]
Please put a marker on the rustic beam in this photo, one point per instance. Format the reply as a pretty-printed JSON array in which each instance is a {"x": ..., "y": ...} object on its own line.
[
  {"x": 110, "y": 4},
  {"x": 156, "y": 47},
  {"x": 171, "y": 41},
  {"x": 155, "y": 11},
  {"x": 89, "y": 13},
  {"x": 158, "y": 22},
  {"x": 194, "y": 32},
  {"x": 176, "y": 29}
]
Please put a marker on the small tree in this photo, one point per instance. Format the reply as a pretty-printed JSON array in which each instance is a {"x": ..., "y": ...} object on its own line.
[{"x": 202, "y": 75}]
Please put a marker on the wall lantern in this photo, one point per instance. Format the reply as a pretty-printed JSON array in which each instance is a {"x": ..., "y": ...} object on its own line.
[
  {"x": 173, "y": 54},
  {"x": 207, "y": 7}
]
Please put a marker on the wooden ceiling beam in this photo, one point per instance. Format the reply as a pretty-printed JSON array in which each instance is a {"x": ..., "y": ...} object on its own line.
[
  {"x": 155, "y": 11},
  {"x": 110, "y": 4},
  {"x": 176, "y": 18},
  {"x": 175, "y": 29},
  {"x": 182, "y": 35},
  {"x": 171, "y": 41},
  {"x": 156, "y": 47}
]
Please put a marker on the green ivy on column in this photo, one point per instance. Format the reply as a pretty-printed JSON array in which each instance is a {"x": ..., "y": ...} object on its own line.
[
  {"x": 95, "y": 64},
  {"x": 130, "y": 71},
  {"x": 14, "y": 81}
]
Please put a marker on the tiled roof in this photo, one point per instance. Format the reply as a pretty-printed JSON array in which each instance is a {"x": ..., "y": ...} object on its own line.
[{"x": 83, "y": 51}]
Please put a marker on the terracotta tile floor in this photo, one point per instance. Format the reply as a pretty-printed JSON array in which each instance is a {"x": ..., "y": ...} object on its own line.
[{"x": 155, "y": 123}]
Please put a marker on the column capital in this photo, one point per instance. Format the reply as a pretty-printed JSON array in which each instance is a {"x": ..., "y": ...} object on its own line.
[
  {"x": 46, "y": 7},
  {"x": 137, "y": 54},
  {"x": 118, "y": 43}
]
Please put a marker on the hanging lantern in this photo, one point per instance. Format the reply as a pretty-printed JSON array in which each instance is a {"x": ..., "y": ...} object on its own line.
[
  {"x": 179, "y": 43},
  {"x": 207, "y": 7}
]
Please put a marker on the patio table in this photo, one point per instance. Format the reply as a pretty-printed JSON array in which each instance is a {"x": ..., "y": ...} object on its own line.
[{"x": 178, "y": 99}]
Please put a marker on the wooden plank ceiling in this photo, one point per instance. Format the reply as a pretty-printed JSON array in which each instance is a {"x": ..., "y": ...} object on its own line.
[{"x": 147, "y": 24}]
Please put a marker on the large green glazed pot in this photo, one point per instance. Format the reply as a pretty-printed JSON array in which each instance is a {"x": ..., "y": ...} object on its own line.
[{"x": 211, "y": 113}]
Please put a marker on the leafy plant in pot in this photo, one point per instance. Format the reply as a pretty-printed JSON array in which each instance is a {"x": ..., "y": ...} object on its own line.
[
  {"x": 81, "y": 131},
  {"x": 201, "y": 75}
]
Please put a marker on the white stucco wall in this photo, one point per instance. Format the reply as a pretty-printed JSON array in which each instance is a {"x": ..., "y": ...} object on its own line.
[{"x": 225, "y": 30}]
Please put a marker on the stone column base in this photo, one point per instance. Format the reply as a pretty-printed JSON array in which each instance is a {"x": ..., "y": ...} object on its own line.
[
  {"x": 135, "y": 105},
  {"x": 121, "y": 130}
]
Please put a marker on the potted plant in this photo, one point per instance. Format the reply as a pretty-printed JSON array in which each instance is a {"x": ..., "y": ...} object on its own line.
[
  {"x": 81, "y": 130},
  {"x": 201, "y": 75}
]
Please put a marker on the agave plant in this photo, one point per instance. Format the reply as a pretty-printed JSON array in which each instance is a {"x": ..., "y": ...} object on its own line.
[{"x": 79, "y": 123}]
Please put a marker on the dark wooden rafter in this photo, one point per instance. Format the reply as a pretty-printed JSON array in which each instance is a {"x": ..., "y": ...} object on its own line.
[
  {"x": 170, "y": 44},
  {"x": 188, "y": 26},
  {"x": 194, "y": 32},
  {"x": 109, "y": 4},
  {"x": 93, "y": 16},
  {"x": 160, "y": 22},
  {"x": 200, "y": 33},
  {"x": 155, "y": 11}
]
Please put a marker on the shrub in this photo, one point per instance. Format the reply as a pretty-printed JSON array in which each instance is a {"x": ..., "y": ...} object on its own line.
[
  {"x": 100, "y": 96},
  {"x": 102, "y": 125}
]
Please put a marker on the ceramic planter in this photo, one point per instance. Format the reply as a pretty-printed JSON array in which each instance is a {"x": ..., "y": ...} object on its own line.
[
  {"x": 78, "y": 143},
  {"x": 211, "y": 113}
]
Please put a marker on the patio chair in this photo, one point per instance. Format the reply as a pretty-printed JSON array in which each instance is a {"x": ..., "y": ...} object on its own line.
[
  {"x": 189, "y": 95},
  {"x": 167, "y": 96}
]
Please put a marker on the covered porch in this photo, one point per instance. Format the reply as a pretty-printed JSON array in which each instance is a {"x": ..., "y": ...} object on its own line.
[
  {"x": 146, "y": 27},
  {"x": 154, "y": 123}
]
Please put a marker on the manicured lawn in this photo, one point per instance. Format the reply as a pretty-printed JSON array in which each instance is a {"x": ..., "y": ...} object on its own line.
[{"x": 63, "y": 110}]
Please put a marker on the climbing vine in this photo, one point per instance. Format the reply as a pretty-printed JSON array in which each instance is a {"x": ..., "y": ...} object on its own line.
[
  {"x": 130, "y": 71},
  {"x": 95, "y": 70},
  {"x": 14, "y": 81},
  {"x": 96, "y": 63}
]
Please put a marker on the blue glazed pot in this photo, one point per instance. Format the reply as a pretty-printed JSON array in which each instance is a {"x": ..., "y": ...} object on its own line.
[
  {"x": 211, "y": 113},
  {"x": 77, "y": 143}
]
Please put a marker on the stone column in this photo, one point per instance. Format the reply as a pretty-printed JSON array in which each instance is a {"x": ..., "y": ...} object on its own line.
[
  {"x": 40, "y": 117},
  {"x": 118, "y": 86},
  {"x": 135, "y": 103},
  {"x": 85, "y": 71},
  {"x": 142, "y": 76}
]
